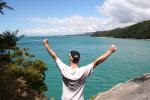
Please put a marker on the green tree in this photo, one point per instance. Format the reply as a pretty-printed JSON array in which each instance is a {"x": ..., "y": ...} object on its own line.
[
  {"x": 17, "y": 63},
  {"x": 138, "y": 31},
  {"x": 4, "y": 5}
]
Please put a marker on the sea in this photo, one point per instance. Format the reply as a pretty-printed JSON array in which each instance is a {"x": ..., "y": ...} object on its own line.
[{"x": 131, "y": 60}]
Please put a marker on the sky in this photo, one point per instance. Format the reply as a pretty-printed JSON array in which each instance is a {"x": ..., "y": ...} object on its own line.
[{"x": 65, "y": 17}]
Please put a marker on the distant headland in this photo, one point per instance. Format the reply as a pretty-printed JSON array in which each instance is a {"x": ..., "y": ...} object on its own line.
[{"x": 137, "y": 31}]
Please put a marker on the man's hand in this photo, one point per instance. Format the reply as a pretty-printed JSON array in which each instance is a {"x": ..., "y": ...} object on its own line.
[
  {"x": 113, "y": 48},
  {"x": 102, "y": 58},
  {"x": 50, "y": 51},
  {"x": 45, "y": 42}
]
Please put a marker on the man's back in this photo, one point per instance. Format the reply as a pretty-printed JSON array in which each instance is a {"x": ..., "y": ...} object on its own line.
[{"x": 73, "y": 80}]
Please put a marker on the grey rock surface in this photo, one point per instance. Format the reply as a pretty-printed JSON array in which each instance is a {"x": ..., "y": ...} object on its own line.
[{"x": 135, "y": 89}]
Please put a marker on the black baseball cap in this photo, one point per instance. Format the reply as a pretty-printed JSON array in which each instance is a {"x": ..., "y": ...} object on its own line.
[{"x": 75, "y": 55}]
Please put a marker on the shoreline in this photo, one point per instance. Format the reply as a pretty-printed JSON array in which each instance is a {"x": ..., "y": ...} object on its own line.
[
  {"x": 83, "y": 36},
  {"x": 121, "y": 38}
]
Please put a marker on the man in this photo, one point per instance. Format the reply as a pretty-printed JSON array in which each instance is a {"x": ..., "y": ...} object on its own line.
[{"x": 73, "y": 77}]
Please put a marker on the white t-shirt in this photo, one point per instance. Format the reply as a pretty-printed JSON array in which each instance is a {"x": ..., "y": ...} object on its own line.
[{"x": 73, "y": 80}]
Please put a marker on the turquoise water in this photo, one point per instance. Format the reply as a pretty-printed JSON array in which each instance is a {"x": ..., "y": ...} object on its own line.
[{"x": 131, "y": 60}]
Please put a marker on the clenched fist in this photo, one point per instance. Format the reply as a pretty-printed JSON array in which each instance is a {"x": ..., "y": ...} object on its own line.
[
  {"x": 45, "y": 42},
  {"x": 113, "y": 48}
]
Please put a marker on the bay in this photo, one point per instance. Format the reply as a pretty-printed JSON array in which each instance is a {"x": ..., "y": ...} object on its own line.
[{"x": 132, "y": 59}]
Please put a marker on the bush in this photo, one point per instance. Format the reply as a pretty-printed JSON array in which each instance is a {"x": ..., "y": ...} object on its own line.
[{"x": 22, "y": 64}]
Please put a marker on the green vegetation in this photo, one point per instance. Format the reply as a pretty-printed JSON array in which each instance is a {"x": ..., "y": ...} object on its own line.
[
  {"x": 4, "y": 5},
  {"x": 137, "y": 31},
  {"x": 21, "y": 75},
  {"x": 92, "y": 98}
]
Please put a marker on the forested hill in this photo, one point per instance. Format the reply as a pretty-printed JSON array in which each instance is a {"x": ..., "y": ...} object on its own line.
[{"x": 138, "y": 31}]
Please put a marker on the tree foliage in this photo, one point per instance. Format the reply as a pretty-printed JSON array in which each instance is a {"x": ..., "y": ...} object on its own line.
[
  {"x": 137, "y": 31},
  {"x": 4, "y": 5},
  {"x": 19, "y": 63}
]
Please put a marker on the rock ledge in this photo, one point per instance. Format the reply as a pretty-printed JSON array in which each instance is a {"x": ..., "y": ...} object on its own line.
[{"x": 135, "y": 89}]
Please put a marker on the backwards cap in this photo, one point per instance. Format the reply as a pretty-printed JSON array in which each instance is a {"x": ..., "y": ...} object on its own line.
[{"x": 75, "y": 55}]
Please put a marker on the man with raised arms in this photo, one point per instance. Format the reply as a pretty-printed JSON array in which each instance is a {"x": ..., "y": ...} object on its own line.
[{"x": 73, "y": 76}]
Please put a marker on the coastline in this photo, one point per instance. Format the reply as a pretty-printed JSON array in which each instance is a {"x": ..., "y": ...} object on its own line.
[{"x": 122, "y": 38}]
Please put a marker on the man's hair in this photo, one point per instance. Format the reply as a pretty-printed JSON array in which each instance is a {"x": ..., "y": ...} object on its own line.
[{"x": 75, "y": 55}]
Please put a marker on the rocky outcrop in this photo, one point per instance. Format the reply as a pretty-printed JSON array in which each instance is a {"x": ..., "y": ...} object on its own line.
[{"x": 135, "y": 89}]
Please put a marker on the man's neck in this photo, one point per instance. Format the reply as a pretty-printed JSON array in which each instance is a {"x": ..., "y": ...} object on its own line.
[{"x": 73, "y": 65}]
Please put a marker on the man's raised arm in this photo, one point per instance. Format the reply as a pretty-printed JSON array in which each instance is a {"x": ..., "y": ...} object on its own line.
[
  {"x": 50, "y": 51},
  {"x": 102, "y": 58}
]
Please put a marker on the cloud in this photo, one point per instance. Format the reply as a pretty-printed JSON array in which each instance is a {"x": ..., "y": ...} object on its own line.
[
  {"x": 74, "y": 24},
  {"x": 117, "y": 13},
  {"x": 126, "y": 11},
  {"x": 39, "y": 31}
]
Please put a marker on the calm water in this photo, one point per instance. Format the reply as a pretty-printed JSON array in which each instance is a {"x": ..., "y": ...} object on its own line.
[{"x": 131, "y": 60}]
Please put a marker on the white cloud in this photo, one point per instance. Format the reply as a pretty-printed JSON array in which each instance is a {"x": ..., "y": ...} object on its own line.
[
  {"x": 39, "y": 31},
  {"x": 68, "y": 25},
  {"x": 75, "y": 24},
  {"x": 119, "y": 13},
  {"x": 126, "y": 11}
]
